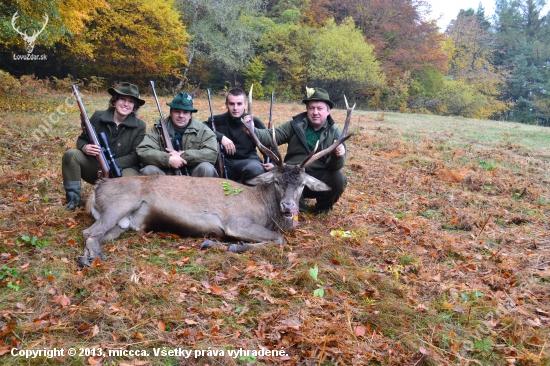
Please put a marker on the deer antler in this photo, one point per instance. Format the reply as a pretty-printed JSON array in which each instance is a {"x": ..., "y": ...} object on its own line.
[
  {"x": 343, "y": 137},
  {"x": 276, "y": 159},
  {"x": 13, "y": 19},
  {"x": 36, "y": 33}
]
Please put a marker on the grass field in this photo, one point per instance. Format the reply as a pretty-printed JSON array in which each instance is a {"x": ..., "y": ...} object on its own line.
[{"x": 437, "y": 254}]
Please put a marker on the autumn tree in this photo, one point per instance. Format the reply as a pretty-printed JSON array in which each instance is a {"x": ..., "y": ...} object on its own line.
[
  {"x": 134, "y": 41},
  {"x": 473, "y": 48},
  {"x": 403, "y": 40},
  {"x": 65, "y": 19},
  {"x": 341, "y": 61}
]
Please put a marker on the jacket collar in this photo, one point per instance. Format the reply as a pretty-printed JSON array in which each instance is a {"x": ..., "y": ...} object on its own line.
[{"x": 109, "y": 117}]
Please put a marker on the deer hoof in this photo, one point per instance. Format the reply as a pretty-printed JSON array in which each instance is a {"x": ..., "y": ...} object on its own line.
[
  {"x": 83, "y": 261},
  {"x": 236, "y": 248},
  {"x": 207, "y": 244}
]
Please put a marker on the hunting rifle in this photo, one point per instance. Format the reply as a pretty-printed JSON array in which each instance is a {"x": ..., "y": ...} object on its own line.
[
  {"x": 222, "y": 171},
  {"x": 270, "y": 124},
  {"x": 166, "y": 141},
  {"x": 107, "y": 165}
]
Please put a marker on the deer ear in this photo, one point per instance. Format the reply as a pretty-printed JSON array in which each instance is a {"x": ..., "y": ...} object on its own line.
[
  {"x": 315, "y": 184},
  {"x": 262, "y": 179}
]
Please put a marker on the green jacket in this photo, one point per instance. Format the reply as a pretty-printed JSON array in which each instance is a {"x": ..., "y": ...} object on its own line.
[
  {"x": 132, "y": 131},
  {"x": 198, "y": 143},
  {"x": 297, "y": 149}
]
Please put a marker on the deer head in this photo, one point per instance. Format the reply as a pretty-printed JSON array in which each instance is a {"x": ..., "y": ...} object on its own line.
[
  {"x": 285, "y": 175},
  {"x": 29, "y": 40}
]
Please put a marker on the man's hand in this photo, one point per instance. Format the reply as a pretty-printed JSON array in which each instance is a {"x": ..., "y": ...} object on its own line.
[
  {"x": 228, "y": 146},
  {"x": 249, "y": 122},
  {"x": 268, "y": 166},
  {"x": 340, "y": 151},
  {"x": 91, "y": 149},
  {"x": 176, "y": 161}
]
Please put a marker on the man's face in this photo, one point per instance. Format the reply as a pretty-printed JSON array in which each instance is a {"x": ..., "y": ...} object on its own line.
[
  {"x": 317, "y": 113},
  {"x": 180, "y": 118},
  {"x": 235, "y": 105}
]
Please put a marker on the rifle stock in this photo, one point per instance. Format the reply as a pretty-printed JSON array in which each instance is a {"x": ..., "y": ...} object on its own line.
[
  {"x": 165, "y": 136},
  {"x": 221, "y": 158},
  {"x": 92, "y": 137}
]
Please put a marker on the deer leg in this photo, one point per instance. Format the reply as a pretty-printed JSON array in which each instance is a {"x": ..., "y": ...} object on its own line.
[
  {"x": 253, "y": 233},
  {"x": 239, "y": 248},
  {"x": 109, "y": 226},
  {"x": 212, "y": 244}
]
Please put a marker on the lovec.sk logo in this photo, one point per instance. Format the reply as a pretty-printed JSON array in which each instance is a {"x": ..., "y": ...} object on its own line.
[{"x": 29, "y": 40}]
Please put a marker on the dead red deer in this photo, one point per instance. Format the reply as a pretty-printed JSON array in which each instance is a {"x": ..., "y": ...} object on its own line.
[{"x": 200, "y": 207}]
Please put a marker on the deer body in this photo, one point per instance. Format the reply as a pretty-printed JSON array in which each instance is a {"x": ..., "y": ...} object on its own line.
[{"x": 196, "y": 207}]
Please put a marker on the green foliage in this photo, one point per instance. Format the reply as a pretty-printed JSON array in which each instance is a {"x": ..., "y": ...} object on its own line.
[
  {"x": 226, "y": 186},
  {"x": 7, "y": 272},
  {"x": 313, "y": 272},
  {"x": 522, "y": 39},
  {"x": 34, "y": 241},
  {"x": 341, "y": 60},
  {"x": 461, "y": 99},
  {"x": 12, "y": 286},
  {"x": 286, "y": 49},
  {"x": 223, "y": 31},
  {"x": 254, "y": 73}
]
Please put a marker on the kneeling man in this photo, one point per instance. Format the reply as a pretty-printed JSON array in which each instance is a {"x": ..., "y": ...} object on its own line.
[{"x": 194, "y": 143}]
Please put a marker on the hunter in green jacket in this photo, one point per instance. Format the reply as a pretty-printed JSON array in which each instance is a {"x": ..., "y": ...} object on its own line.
[
  {"x": 302, "y": 134},
  {"x": 195, "y": 146}
]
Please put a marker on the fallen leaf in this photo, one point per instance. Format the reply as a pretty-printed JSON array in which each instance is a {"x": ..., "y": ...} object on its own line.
[
  {"x": 359, "y": 331},
  {"x": 190, "y": 321},
  {"x": 93, "y": 332},
  {"x": 292, "y": 257},
  {"x": 161, "y": 325},
  {"x": 217, "y": 290}
]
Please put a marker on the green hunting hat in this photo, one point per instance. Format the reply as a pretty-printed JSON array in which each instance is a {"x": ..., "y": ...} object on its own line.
[
  {"x": 127, "y": 89},
  {"x": 317, "y": 94},
  {"x": 183, "y": 101}
]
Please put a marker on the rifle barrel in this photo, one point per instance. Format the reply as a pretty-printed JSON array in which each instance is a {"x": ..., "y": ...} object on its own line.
[
  {"x": 92, "y": 136},
  {"x": 165, "y": 137}
]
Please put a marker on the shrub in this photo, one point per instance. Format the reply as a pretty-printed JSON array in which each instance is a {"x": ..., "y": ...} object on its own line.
[{"x": 8, "y": 83}]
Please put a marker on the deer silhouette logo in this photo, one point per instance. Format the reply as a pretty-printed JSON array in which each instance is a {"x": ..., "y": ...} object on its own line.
[{"x": 29, "y": 40}]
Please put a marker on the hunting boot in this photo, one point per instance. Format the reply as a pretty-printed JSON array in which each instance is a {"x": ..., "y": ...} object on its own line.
[{"x": 72, "y": 193}]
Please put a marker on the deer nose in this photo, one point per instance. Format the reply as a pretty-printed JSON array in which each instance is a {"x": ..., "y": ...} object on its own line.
[{"x": 287, "y": 206}]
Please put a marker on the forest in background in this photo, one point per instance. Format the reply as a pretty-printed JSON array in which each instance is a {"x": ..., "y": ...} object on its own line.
[{"x": 384, "y": 55}]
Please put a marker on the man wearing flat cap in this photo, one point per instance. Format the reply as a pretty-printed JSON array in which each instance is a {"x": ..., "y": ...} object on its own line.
[
  {"x": 195, "y": 144},
  {"x": 302, "y": 134}
]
